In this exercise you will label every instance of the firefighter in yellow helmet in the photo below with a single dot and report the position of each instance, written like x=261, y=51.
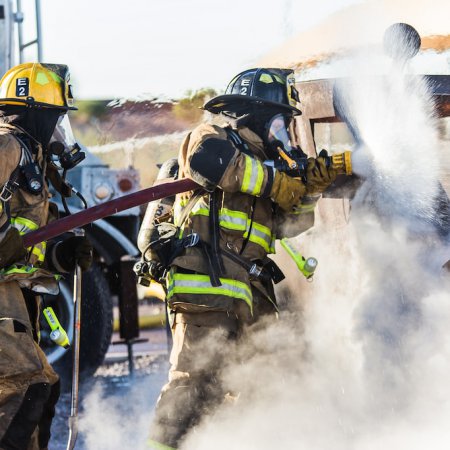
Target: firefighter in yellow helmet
x=220, y=279
x=35, y=140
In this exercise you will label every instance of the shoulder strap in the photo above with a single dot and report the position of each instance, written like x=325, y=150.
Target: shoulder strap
x=190, y=204
x=13, y=183
x=234, y=137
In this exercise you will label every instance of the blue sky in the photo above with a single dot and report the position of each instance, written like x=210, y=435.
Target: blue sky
x=165, y=47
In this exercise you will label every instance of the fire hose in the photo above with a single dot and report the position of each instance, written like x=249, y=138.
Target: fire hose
x=90, y=215
x=293, y=166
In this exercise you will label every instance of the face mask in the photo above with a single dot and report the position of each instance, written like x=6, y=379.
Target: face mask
x=278, y=133
x=63, y=145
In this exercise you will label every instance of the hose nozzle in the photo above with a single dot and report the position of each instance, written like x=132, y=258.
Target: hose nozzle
x=342, y=163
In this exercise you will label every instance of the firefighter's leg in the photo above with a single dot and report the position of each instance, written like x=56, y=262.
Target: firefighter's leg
x=25, y=376
x=193, y=389
x=41, y=435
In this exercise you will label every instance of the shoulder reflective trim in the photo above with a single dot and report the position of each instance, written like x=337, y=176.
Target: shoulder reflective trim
x=253, y=176
x=24, y=225
x=39, y=251
x=182, y=283
x=155, y=445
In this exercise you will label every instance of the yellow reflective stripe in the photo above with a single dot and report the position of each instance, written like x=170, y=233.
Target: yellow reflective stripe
x=239, y=221
x=183, y=283
x=247, y=173
x=15, y=269
x=200, y=212
x=303, y=209
x=39, y=251
x=233, y=220
x=23, y=269
x=262, y=230
x=260, y=241
x=200, y=208
x=261, y=235
x=253, y=176
x=23, y=225
x=177, y=207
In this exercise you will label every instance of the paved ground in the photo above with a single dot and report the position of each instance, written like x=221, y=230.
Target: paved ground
x=115, y=408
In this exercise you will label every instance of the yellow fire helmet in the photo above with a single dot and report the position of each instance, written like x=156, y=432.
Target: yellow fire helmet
x=37, y=85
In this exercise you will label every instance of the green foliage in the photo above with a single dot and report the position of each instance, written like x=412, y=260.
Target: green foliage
x=91, y=108
x=86, y=121
x=188, y=108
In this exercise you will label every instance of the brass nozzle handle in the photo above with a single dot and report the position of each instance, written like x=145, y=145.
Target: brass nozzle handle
x=342, y=163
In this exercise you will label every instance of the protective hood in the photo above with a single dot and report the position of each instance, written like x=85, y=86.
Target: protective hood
x=39, y=123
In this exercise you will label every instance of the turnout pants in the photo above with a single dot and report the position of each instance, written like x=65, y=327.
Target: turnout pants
x=203, y=344
x=29, y=387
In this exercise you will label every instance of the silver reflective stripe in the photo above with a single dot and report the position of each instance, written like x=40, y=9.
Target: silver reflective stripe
x=262, y=236
x=234, y=220
x=253, y=176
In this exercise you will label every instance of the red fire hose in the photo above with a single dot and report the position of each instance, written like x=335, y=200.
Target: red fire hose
x=107, y=209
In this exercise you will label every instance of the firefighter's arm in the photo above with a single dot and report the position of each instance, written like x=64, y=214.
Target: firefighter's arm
x=11, y=245
x=215, y=161
x=65, y=254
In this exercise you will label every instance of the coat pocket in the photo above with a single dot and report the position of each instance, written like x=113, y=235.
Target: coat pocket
x=18, y=353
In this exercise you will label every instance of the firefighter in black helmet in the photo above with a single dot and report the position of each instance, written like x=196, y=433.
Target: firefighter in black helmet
x=222, y=281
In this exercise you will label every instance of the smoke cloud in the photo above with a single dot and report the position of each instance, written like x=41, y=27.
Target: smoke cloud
x=359, y=359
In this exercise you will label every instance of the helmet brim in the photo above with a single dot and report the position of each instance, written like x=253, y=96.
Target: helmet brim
x=241, y=104
x=33, y=104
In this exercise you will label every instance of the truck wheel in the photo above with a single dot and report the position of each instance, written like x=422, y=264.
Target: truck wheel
x=96, y=324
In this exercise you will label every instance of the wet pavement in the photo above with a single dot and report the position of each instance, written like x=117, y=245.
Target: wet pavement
x=113, y=402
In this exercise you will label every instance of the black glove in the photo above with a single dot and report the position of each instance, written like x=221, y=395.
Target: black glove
x=11, y=248
x=75, y=249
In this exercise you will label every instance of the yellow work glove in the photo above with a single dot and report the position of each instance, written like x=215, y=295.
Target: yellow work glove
x=318, y=175
x=287, y=191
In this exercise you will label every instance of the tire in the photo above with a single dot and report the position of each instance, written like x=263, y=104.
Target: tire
x=96, y=324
